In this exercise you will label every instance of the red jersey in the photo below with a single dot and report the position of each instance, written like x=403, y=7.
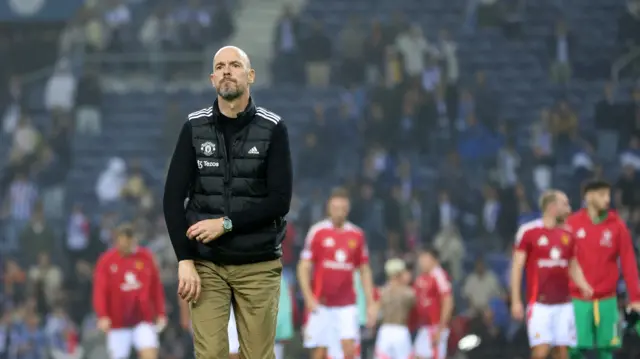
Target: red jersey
x=127, y=288
x=431, y=288
x=598, y=248
x=548, y=251
x=335, y=253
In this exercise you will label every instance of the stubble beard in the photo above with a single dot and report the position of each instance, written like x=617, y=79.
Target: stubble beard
x=230, y=93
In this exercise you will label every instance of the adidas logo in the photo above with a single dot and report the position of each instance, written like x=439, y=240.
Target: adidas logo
x=253, y=151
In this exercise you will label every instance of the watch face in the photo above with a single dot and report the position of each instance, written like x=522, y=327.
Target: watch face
x=226, y=224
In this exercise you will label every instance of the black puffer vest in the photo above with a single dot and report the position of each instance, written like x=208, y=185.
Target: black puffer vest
x=231, y=182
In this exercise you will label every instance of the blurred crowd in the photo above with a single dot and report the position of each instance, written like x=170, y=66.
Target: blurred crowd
x=425, y=150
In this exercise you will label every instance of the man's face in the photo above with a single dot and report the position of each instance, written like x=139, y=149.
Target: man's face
x=232, y=74
x=599, y=199
x=338, y=208
x=426, y=262
x=124, y=243
x=563, y=208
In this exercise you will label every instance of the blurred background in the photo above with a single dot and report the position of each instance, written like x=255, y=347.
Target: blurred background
x=445, y=119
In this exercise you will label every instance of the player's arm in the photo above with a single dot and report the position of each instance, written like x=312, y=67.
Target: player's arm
x=157, y=289
x=517, y=266
x=577, y=276
x=365, y=272
x=304, y=269
x=628, y=263
x=444, y=286
x=100, y=288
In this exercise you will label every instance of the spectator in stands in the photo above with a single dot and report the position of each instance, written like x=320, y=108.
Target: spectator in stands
x=60, y=90
x=476, y=143
x=118, y=20
x=368, y=210
x=448, y=242
x=627, y=195
x=393, y=220
x=351, y=47
x=60, y=138
x=159, y=32
x=560, y=49
x=223, y=22
x=12, y=100
x=609, y=124
x=489, y=12
x=111, y=181
x=194, y=25
x=431, y=75
x=480, y=287
x=513, y=11
x=19, y=206
x=95, y=31
x=136, y=188
x=508, y=165
x=629, y=26
x=46, y=279
x=89, y=103
x=564, y=127
x=465, y=107
x=286, y=37
x=26, y=140
x=62, y=335
x=583, y=161
x=160, y=245
x=486, y=104
x=630, y=157
x=32, y=342
x=375, y=52
x=446, y=214
x=77, y=285
x=38, y=236
x=14, y=283
x=524, y=209
x=447, y=49
x=632, y=112
x=492, y=226
x=50, y=177
x=317, y=51
x=315, y=163
x=542, y=149
x=78, y=235
x=413, y=47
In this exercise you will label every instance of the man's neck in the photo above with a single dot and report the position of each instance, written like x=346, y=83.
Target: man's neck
x=549, y=222
x=338, y=224
x=595, y=215
x=231, y=109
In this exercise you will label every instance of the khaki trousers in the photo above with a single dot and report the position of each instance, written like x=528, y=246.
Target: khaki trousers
x=254, y=291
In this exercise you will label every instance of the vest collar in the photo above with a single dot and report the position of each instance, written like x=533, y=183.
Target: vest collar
x=249, y=111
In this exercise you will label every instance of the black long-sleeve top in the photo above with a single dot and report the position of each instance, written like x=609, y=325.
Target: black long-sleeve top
x=183, y=171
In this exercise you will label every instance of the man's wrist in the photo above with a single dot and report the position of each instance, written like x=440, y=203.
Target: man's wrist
x=185, y=261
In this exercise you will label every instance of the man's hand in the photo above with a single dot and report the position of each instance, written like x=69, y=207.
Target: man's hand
x=635, y=306
x=372, y=316
x=312, y=304
x=104, y=324
x=435, y=337
x=206, y=230
x=517, y=311
x=586, y=290
x=188, y=281
x=161, y=323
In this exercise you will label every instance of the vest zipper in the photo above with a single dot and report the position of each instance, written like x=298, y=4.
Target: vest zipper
x=227, y=173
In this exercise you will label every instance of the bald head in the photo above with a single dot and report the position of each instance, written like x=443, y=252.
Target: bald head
x=556, y=204
x=232, y=73
x=234, y=51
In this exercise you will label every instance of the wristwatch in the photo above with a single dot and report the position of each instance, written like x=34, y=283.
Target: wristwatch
x=227, y=225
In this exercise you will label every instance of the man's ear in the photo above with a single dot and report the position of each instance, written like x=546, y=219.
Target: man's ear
x=251, y=76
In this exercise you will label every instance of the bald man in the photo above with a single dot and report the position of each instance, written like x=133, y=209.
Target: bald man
x=233, y=165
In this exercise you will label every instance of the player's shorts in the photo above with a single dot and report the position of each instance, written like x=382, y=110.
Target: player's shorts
x=393, y=342
x=424, y=347
x=597, y=324
x=120, y=341
x=232, y=330
x=551, y=324
x=329, y=325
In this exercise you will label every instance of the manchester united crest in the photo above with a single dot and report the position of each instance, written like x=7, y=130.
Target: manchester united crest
x=565, y=239
x=139, y=265
x=352, y=243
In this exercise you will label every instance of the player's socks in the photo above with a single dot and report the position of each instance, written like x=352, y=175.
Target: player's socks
x=605, y=354
x=575, y=353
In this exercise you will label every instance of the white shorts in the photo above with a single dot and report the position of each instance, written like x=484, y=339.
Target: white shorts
x=232, y=331
x=424, y=347
x=393, y=342
x=552, y=324
x=120, y=341
x=327, y=326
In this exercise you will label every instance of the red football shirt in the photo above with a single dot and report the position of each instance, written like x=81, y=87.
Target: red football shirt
x=548, y=253
x=430, y=289
x=335, y=253
x=127, y=288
